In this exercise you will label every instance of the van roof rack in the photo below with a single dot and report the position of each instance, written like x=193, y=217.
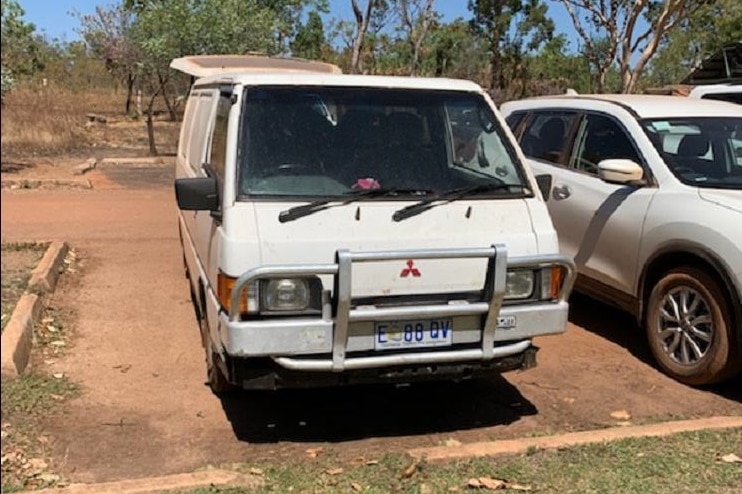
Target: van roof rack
x=210, y=65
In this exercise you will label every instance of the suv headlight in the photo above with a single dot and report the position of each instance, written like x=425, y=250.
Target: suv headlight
x=519, y=284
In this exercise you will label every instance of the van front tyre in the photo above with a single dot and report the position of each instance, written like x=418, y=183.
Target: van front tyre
x=215, y=378
x=689, y=327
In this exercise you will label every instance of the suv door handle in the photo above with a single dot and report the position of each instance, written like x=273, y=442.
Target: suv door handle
x=560, y=192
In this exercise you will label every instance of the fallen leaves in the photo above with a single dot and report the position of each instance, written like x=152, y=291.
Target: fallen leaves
x=313, y=452
x=622, y=415
x=493, y=484
x=451, y=442
x=410, y=470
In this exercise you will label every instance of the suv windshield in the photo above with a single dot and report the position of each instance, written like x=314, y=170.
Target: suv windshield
x=324, y=142
x=702, y=152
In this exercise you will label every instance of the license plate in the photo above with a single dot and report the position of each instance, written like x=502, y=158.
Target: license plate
x=413, y=334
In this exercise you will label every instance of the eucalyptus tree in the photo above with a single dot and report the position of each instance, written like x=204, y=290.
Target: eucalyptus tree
x=310, y=41
x=416, y=17
x=626, y=32
x=288, y=18
x=107, y=34
x=21, y=46
x=510, y=28
x=168, y=29
x=698, y=36
x=454, y=52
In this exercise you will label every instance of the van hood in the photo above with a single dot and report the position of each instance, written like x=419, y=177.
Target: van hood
x=368, y=226
x=731, y=199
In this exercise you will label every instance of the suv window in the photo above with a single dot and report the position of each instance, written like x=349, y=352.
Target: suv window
x=703, y=152
x=546, y=136
x=514, y=120
x=602, y=138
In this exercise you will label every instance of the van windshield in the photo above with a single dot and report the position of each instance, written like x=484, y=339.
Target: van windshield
x=299, y=142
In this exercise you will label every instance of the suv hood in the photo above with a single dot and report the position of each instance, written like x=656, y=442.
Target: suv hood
x=368, y=226
x=731, y=199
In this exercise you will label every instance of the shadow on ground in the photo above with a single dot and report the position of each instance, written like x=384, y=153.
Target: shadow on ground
x=141, y=177
x=621, y=328
x=358, y=412
x=14, y=166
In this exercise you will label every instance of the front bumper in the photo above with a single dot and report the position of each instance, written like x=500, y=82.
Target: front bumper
x=342, y=338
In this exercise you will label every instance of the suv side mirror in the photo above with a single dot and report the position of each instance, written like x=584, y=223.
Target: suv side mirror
x=197, y=194
x=544, y=182
x=620, y=171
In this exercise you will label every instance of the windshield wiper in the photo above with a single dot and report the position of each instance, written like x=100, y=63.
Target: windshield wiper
x=306, y=209
x=450, y=196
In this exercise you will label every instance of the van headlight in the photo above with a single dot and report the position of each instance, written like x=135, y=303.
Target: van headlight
x=519, y=284
x=285, y=294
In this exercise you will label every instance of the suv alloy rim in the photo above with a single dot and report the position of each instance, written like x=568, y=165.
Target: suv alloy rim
x=686, y=325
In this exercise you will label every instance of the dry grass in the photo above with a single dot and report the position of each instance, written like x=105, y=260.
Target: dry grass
x=51, y=121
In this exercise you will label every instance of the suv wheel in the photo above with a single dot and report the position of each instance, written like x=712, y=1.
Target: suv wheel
x=689, y=327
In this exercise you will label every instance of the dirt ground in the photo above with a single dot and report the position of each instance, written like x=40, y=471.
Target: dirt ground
x=143, y=407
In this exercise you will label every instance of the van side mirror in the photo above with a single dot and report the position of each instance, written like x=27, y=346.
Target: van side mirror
x=197, y=194
x=620, y=171
x=544, y=182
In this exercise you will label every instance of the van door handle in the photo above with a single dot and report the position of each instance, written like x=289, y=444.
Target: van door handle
x=560, y=192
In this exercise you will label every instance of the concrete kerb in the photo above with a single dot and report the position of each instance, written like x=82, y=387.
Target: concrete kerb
x=44, y=183
x=206, y=478
x=17, y=337
x=136, y=162
x=523, y=445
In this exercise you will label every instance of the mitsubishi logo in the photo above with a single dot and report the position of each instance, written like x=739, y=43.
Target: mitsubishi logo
x=410, y=270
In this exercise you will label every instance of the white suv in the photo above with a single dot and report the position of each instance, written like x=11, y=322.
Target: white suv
x=731, y=92
x=647, y=199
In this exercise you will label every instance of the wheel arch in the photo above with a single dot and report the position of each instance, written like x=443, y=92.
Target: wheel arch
x=676, y=256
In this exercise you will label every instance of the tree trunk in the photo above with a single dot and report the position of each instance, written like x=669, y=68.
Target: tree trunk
x=496, y=76
x=163, y=80
x=361, y=26
x=151, y=123
x=130, y=78
x=601, y=80
x=151, y=132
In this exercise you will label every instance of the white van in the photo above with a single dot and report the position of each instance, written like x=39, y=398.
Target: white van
x=340, y=229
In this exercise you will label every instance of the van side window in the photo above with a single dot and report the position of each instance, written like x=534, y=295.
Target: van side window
x=200, y=130
x=185, y=130
x=478, y=143
x=547, y=135
x=218, y=150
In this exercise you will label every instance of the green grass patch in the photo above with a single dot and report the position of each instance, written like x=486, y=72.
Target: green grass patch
x=682, y=463
x=26, y=402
